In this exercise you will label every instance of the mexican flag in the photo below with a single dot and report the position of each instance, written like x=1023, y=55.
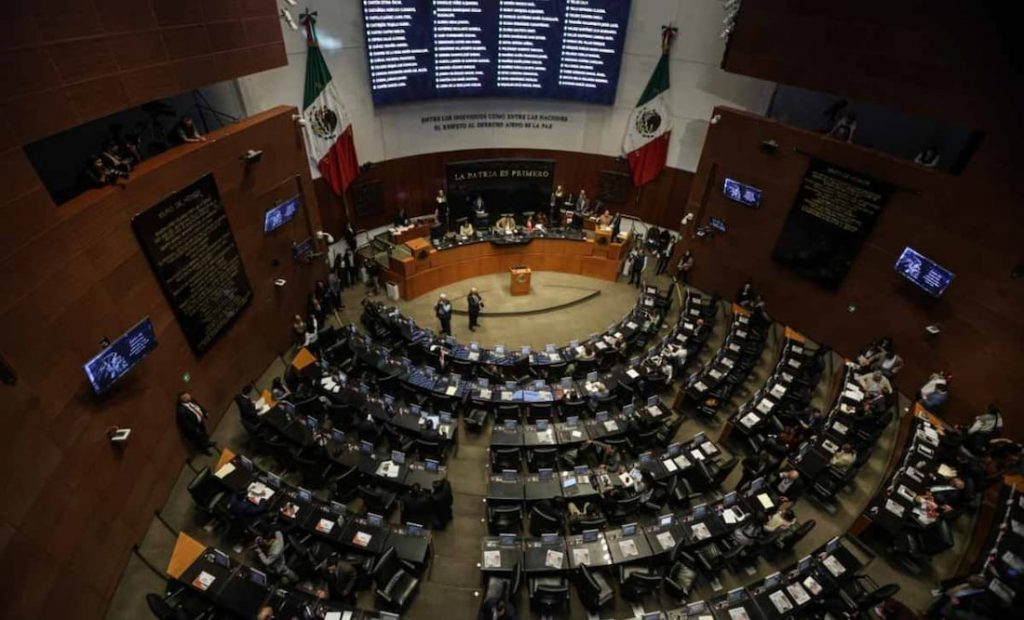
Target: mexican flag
x=650, y=124
x=328, y=128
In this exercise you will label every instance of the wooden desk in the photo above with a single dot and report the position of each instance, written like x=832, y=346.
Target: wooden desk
x=420, y=229
x=444, y=267
x=226, y=456
x=303, y=359
x=186, y=551
x=519, y=281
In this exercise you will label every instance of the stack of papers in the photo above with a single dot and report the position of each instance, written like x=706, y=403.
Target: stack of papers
x=611, y=425
x=632, y=374
x=361, y=539
x=766, y=501
x=492, y=559
x=812, y=586
x=750, y=420
x=781, y=601
x=654, y=410
x=450, y=391
x=738, y=614
x=834, y=566
x=324, y=526
x=485, y=394
x=581, y=556
x=798, y=593
x=554, y=558
x=700, y=531
x=203, y=581
x=666, y=541
x=628, y=548
x=682, y=461
x=765, y=406
x=708, y=448
x=729, y=516
x=778, y=390
x=670, y=465
x=506, y=395
x=225, y=470
x=697, y=454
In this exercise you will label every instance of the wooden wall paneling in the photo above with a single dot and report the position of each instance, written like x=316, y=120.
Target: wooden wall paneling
x=982, y=333
x=73, y=505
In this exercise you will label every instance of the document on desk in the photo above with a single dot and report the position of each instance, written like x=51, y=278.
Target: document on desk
x=778, y=390
x=716, y=374
x=905, y=493
x=611, y=425
x=203, y=581
x=225, y=470
x=709, y=448
x=324, y=526
x=729, y=516
x=701, y=386
x=632, y=374
x=492, y=559
x=798, y=593
x=781, y=601
x=697, y=454
x=576, y=434
x=581, y=556
x=670, y=465
x=450, y=391
x=766, y=501
x=473, y=356
x=547, y=436
x=739, y=614
x=812, y=586
x=894, y=507
x=700, y=531
x=682, y=461
x=750, y=420
x=834, y=566
x=765, y=406
x=507, y=396
x=554, y=559
x=362, y=539
x=654, y=410
x=946, y=471
x=839, y=427
x=666, y=540
x=485, y=394
x=628, y=548
x=258, y=492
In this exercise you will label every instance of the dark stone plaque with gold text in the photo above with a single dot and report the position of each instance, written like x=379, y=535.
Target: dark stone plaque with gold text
x=190, y=247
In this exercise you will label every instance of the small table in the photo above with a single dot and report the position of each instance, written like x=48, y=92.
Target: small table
x=520, y=280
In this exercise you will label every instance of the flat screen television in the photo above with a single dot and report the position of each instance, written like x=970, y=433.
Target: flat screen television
x=280, y=214
x=923, y=271
x=121, y=356
x=744, y=194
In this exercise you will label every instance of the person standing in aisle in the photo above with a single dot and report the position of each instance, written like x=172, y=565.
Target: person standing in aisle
x=443, y=311
x=476, y=304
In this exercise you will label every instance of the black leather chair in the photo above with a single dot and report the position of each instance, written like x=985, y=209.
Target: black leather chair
x=378, y=500
x=543, y=523
x=204, y=488
x=788, y=539
x=476, y=419
x=343, y=486
x=500, y=588
x=506, y=412
x=638, y=581
x=549, y=594
x=541, y=458
x=593, y=588
x=539, y=411
x=506, y=458
x=395, y=588
x=429, y=449
x=624, y=509
x=681, y=576
x=587, y=523
x=504, y=519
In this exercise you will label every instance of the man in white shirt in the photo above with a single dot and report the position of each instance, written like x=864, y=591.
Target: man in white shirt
x=874, y=383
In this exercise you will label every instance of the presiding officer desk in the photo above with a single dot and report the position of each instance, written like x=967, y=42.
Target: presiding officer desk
x=557, y=250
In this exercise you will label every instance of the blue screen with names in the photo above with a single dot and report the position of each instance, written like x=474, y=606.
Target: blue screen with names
x=743, y=194
x=923, y=272
x=121, y=356
x=433, y=49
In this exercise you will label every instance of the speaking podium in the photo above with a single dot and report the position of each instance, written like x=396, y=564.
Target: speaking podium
x=519, y=283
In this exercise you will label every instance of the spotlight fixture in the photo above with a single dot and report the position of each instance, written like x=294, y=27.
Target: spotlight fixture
x=287, y=16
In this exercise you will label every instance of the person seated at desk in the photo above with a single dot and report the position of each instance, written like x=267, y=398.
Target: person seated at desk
x=185, y=131
x=465, y=228
x=431, y=432
x=416, y=506
x=811, y=419
x=874, y=383
x=889, y=364
x=441, y=500
x=587, y=355
x=844, y=458
x=745, y=296
x=341, y=578
x=245, y=512
x=984, y=428
x=270, y=551
x=955, y=493
x=542, y=221
x=935, y=392
x=963, y=600
x=874, y=352
x=278, y=390
x=506, y=225
x=787, y=483
x=677, y=354
x=604, y=221
x=754, y=466
x=591, y=510
x=754, y=532
x=529, y=226
x=367, y=428
x=401, y=219
x=246, y=405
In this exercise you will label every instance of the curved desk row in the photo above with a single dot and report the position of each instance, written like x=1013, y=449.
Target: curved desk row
x=429, y=268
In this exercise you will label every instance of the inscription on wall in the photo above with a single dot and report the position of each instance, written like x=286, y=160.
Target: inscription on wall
x=188, y=241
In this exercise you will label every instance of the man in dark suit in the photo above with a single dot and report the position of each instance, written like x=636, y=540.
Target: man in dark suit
x=246, y=406
x=476, y=303
x=192, y=422
x=441, y=500
x=416, y=506
x=443, y=311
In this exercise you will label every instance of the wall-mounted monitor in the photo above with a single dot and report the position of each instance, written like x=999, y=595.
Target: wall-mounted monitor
x=923, y=271
x=121, y=356
x=559, y=49
x=744, y=194
x=280, y=214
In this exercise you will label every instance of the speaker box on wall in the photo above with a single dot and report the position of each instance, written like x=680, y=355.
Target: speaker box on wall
x=613, y=186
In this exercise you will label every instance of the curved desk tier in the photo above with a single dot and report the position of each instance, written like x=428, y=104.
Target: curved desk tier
x=429, y=268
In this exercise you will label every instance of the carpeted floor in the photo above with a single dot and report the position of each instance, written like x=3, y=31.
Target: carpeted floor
x=451, y=587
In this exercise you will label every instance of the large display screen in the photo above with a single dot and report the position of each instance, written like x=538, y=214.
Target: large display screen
x=923, y=272
x=744, y=194
x=121, y=356
x=279, y=215
x=430, y=49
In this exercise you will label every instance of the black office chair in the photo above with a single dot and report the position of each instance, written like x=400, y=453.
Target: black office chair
x=203, y=488
x=858, y=597
x=506, y=458
x=165, y=608
x=682, y=575
x=539, y=411
x=638, y=581
x=504, y=413
x=624, y=509
x=429, y=449
x=343, y=486
x=377, y=500
x=543, y=523
x=549, y=594
x=935, y=538
x=789, y=538
x=541, y=458
x=587, y=523
x=476, y=419
x=504, y=519
x=394, y=587
x=593, y=588
x=314, y=470
x=501, y=588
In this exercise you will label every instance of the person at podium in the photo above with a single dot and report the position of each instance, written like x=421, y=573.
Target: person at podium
x=401, y=219
x=506, y=225
x=466, y=228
